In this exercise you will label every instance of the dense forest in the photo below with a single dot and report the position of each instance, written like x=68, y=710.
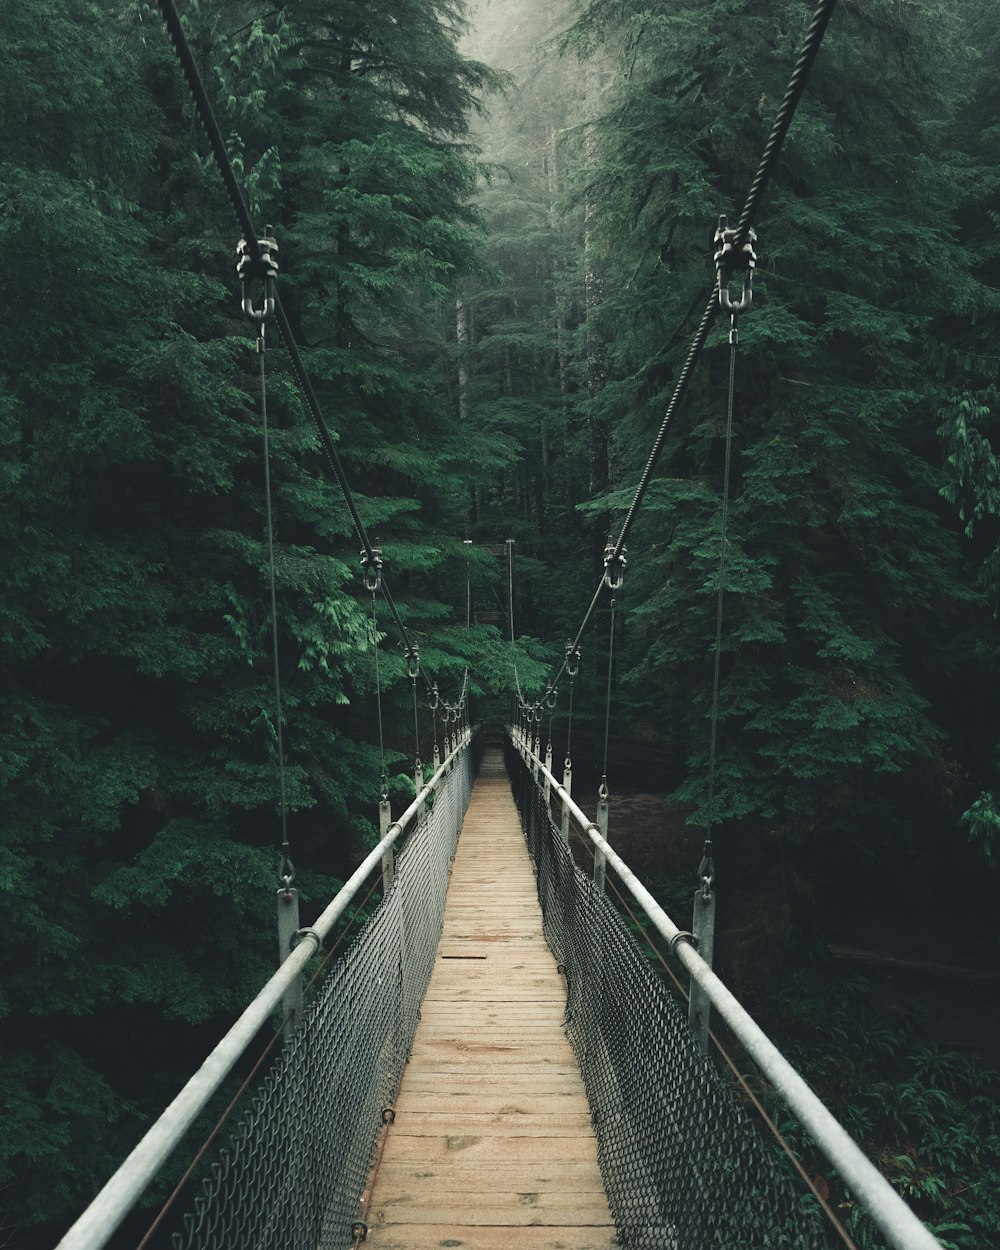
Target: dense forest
x=495, y=228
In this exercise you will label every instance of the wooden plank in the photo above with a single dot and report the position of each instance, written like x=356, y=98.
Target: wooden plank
x=492, y=1145
x=420, y=1206
x=470, y=1237
x=551, y=1174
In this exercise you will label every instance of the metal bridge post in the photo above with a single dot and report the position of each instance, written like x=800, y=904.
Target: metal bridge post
x=567, y=781
x=418, y=781
x=388, y=859
x=600, y=859
x=288, y=926
x=548, y=765
x=703, y=928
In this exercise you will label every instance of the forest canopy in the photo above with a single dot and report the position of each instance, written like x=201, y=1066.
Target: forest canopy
x=495, y=227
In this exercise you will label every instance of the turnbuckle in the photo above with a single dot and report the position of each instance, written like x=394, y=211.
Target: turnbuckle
x=728, y=260
x=614, y=566
x=372, y=565
x=262, y=268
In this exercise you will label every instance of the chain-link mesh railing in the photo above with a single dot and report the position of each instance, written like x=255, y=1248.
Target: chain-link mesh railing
x=294, y=1172
x=683, y=1165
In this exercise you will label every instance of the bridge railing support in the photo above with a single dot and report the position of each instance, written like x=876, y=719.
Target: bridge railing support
x=288, y=926
x=869, y=1188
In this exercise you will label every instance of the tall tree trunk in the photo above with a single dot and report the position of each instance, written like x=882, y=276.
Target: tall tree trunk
x=593, y=285
x=462, y=339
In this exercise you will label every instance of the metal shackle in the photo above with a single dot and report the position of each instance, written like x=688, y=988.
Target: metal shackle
x=728, y=259
x=262, y=268
x=614, y=567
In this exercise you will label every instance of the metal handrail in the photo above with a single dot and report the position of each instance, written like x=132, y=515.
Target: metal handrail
x=95, y=1226
x=900, y=1226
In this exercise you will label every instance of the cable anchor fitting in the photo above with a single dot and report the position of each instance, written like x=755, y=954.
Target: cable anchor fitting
x=706, y=874
x=258, y=269
x=551, y=695
x=371, y=562
x=614, y=567
x=413, y=662
x=286, y=873
x=728, y=260
x=434, y=697
x=572, y=660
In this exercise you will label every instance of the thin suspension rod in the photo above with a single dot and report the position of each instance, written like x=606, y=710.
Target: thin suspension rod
x=287, y=872
x=720, y=599
x=769, y=158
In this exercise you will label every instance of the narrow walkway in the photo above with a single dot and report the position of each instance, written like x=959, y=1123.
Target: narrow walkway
x=492, y=1146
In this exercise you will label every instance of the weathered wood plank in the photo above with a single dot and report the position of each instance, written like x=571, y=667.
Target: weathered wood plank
x=492, y=1146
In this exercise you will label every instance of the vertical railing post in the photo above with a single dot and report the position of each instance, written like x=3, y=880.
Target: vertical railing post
x=418, y=781
x=567, y=780
x=703, y=928
x=388, y=864
x=288, y=926
x=548, y=765
x=600, y=859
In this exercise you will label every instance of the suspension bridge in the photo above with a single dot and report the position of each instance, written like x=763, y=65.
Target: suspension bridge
x=494, y=1061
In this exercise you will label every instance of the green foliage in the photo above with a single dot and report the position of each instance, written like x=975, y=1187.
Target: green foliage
x=929, y=1117
x=137, y=757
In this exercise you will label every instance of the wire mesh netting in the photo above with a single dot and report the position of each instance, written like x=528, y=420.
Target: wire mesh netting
x=683, y=1165
x=294, y=1171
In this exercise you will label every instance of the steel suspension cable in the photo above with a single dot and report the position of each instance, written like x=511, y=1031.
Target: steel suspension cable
x=772, y=149
x=206, y=115
x=287, y=870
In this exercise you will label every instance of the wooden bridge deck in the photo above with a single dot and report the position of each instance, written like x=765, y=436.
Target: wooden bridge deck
x=492, y=1146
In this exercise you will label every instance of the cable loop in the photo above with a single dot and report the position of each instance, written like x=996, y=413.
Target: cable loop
x=614, y=566
x=262, y=268
x=729, y=259
x=371, y=562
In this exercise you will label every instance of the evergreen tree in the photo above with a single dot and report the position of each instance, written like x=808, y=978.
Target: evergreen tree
x=852, y=618
x=138, y=755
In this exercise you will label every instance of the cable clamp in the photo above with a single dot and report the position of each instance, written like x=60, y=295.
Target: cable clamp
x=572, y=660
x=434, y=697
x=286, y=873
x=728, y=260
x=683, y=936
x=371, y=562
x=300, y=935
x=258, y=269
x=614, y=567
x=706, y=874
x=413, y=662
x=551, y=695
